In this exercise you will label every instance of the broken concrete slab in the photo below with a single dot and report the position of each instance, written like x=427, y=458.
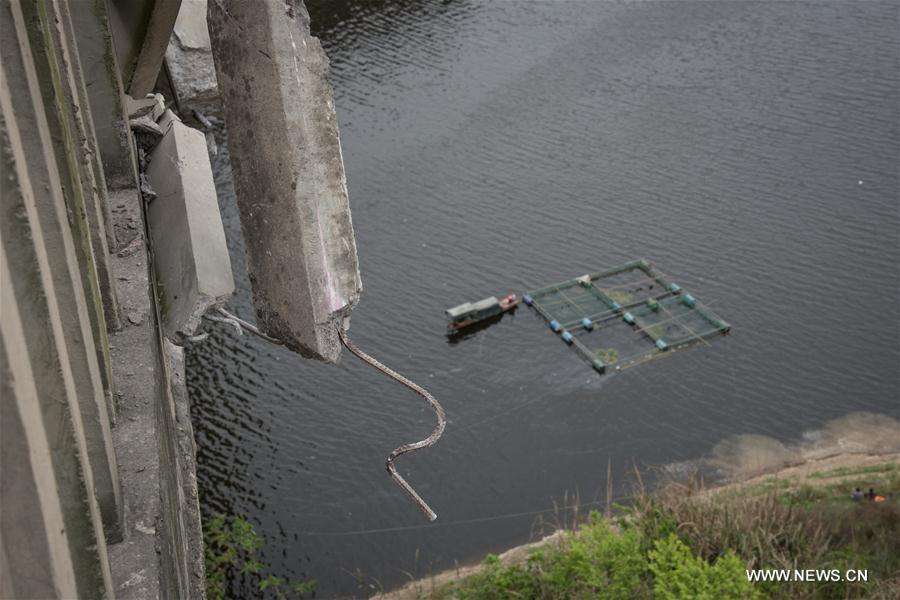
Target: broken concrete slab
x=190, y=62
x=144, y=124
x=191, y=257
x=288, y=171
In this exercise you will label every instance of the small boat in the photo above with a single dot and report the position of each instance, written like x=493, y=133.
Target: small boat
x=471, y=313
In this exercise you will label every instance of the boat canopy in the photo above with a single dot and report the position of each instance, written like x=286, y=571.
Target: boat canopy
x=472, y=307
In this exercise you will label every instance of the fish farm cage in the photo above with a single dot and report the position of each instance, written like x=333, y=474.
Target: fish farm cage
x=624, y=316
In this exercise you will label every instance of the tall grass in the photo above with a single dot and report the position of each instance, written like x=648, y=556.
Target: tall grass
x=800, y=528
x=685, y=541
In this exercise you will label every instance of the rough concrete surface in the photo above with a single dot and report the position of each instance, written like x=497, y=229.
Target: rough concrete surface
x=191, y=256
x=134, y=562
x=186, y=491
x=190, y=62
x=34, y=519
x=288, y=172
x=162, y=554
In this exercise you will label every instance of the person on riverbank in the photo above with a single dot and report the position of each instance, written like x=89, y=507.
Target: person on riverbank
x=856, y=495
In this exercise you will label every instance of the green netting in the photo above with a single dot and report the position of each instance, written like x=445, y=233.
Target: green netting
x=569, y=304
x=624, y=316
x=613, y=343
x=676, y=322
x=631, y=286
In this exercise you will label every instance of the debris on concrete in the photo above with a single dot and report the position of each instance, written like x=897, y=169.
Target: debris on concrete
x=131, y=247
x=135, y=565
x=147, y=191
x=144, y=124
x=153, y=106
x=143, y=117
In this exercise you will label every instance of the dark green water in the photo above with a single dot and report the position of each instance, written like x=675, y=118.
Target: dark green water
x=749, y=149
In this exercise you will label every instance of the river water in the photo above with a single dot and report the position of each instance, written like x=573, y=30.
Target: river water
x=748, y=149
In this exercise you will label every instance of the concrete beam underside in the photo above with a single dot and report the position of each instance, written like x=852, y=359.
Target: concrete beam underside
x=78, y=184
x=103, y=79
x=99, y=217
x=45, y=209
x=34, y=539
x=35, y=349
x=60, y=479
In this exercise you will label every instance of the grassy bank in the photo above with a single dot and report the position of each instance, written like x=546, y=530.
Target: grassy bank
x=684, y=541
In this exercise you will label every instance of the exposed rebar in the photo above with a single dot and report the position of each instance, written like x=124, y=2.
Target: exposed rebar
x=427, y=442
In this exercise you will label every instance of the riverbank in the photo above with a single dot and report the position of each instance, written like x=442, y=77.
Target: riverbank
x=800, y=516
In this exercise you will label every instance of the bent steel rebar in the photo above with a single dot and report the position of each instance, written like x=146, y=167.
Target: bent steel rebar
x=240, y=324
x=427, y=442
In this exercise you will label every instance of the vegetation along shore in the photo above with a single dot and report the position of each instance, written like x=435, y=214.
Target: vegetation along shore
x=685, y=540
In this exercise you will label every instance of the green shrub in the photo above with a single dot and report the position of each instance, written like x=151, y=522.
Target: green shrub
x=231, y=546
x=497, y=581
x=679, y=574
x=684, y=542
x=596, y=561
